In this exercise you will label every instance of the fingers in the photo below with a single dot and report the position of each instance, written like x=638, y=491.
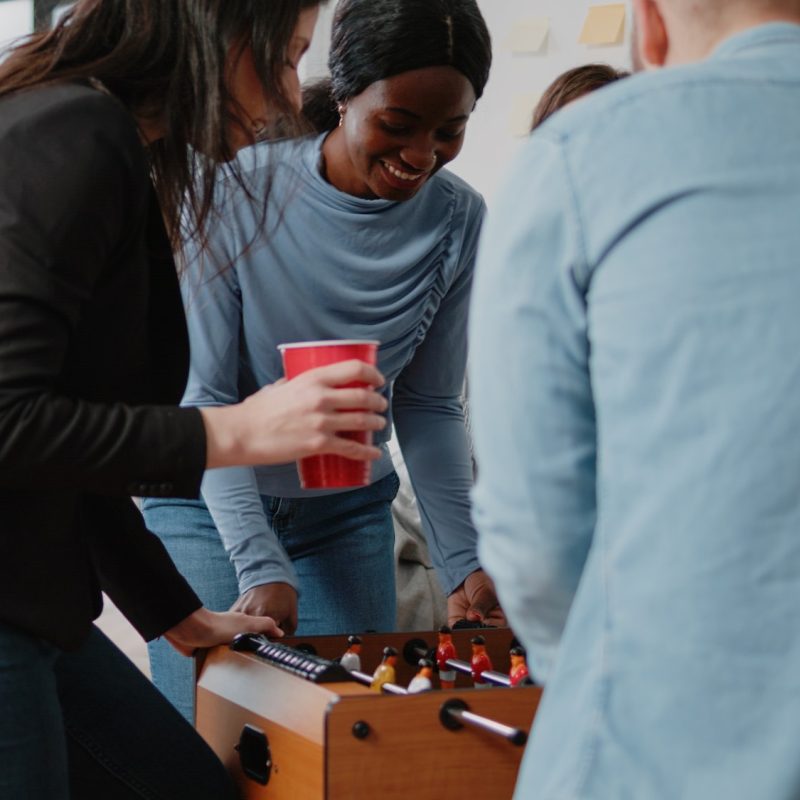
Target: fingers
x=265, y=625
x=345, y=372
x=289, y=625
x=352, y=421
x=483, y=602
x=456, y=606
x=349, y=398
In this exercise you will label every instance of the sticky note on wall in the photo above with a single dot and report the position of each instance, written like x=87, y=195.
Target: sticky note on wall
x=604, y=25
x=528, y=35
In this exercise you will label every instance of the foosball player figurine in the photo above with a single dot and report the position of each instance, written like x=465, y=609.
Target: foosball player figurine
x=519, y=666
x=422, y=682
x=351, y=658
x=385, y=673
x=445, y=650
x=480, y=662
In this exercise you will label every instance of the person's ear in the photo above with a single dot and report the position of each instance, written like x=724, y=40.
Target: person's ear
x=652, y=39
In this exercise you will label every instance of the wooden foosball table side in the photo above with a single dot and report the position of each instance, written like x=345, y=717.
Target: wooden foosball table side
x=408, y=752
x=342, y=741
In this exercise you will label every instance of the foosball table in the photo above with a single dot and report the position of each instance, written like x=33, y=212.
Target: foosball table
x=291, y=723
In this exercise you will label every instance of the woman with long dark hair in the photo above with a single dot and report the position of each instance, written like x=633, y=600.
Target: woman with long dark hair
x=376, y=240
x=93, y=357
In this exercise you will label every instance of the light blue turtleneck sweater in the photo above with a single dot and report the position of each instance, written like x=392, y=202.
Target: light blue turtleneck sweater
x=333, y=266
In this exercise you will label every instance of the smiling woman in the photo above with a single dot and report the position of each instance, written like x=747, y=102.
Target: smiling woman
x=394, y=137
x=376, y=241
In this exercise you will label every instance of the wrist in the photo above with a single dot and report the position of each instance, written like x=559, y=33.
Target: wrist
x=223, y=442
x=192, y=627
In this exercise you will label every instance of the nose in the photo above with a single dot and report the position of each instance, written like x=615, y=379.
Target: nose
x=291, y=86
x=420, y=157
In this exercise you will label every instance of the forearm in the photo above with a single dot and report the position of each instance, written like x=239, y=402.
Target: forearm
x=532, y=405
x=436, y=452
x=235, y=505
x=133, y=567
x=64, y=443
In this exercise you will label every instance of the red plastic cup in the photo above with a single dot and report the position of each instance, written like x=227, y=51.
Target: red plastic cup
x=331, y=471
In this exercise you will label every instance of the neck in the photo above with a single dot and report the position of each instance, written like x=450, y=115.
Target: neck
x=149, y=131
x=692, y=40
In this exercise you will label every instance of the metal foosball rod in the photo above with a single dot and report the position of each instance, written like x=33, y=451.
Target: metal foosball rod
x=489, y=675
x=455, y=713
x=389, y=688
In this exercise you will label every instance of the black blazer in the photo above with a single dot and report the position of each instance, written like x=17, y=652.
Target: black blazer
x=93, y=357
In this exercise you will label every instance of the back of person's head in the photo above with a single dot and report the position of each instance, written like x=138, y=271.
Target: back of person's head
x=319, y=107
x=671, y=32
x=166, y=61
x=376, y=39
x=571, y=85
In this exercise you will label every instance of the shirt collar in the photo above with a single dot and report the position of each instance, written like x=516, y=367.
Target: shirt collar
x=759, y=36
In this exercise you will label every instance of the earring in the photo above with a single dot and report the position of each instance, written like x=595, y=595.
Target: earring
x=259, y=127
x=341, y=110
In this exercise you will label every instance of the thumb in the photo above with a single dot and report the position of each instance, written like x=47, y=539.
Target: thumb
x=265, y=625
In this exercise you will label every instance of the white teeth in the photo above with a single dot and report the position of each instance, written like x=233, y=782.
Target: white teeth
x=400, y=174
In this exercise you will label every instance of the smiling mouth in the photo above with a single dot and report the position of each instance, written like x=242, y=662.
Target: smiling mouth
x=401, y=174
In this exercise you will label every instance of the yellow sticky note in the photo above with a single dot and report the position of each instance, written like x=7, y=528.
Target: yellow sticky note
x=528, y=35
x=604, y=24
x=522, y=114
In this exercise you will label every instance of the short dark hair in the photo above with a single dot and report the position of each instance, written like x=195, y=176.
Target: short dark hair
x=377, y=39
x=571, y=85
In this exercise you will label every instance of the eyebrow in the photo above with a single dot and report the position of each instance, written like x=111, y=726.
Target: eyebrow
x=408, y=113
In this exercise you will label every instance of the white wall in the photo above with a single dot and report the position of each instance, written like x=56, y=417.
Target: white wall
x=516, y=80
x=16, y=19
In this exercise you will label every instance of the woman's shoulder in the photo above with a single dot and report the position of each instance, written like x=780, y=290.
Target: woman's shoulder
x=74, y=103
x=276, y=156
x=447, y=187
x=71, y=113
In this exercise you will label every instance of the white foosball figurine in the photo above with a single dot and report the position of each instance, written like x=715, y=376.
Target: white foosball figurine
x=351, y=659
x=422, y=681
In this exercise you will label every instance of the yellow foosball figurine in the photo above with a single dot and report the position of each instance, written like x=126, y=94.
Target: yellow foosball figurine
x=385, y=673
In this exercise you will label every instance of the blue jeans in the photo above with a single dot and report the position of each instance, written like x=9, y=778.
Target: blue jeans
x=341, y=547
x=88, y=724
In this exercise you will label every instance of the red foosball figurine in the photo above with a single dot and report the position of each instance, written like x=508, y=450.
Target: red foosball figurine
x=385, y=673
x=422, y=682
x=519, y=666
x=480, y=662
x=351, y=658
x=445, y=650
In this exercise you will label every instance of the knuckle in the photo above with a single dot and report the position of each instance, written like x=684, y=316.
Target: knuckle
x=317, y=441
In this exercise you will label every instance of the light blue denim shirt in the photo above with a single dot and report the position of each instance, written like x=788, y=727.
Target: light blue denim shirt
x=333, y=266
x=635, y=373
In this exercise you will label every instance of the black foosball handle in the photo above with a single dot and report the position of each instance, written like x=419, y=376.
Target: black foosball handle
x=455, y=713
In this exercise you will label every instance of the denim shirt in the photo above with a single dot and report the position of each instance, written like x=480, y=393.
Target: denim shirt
x=635, y=368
